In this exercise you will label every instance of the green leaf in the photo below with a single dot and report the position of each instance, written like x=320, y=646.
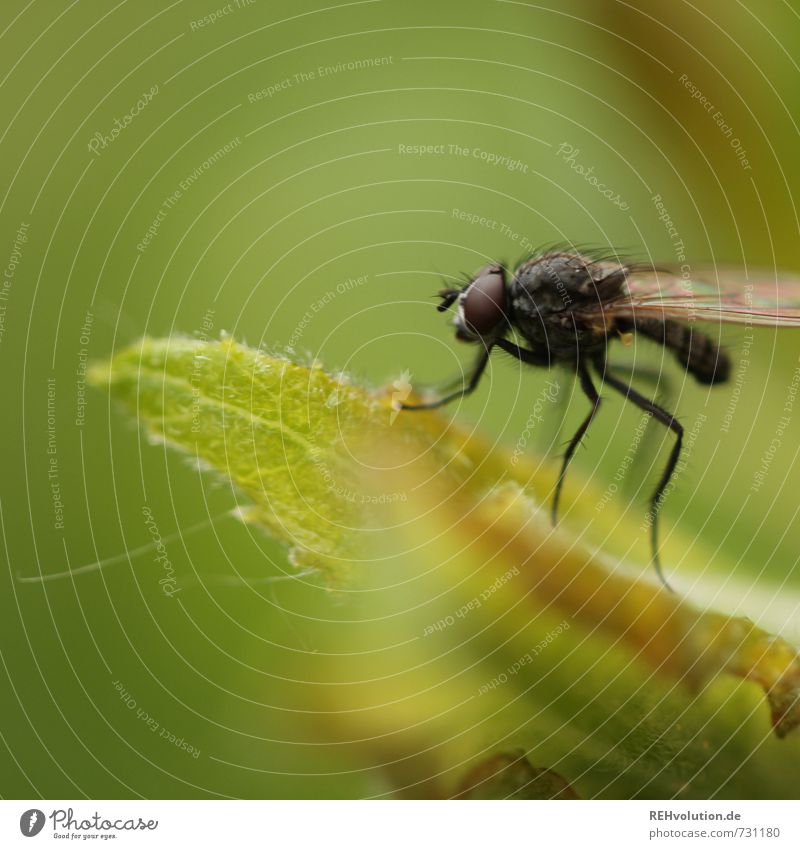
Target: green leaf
x=270, y=426
x=499, y=632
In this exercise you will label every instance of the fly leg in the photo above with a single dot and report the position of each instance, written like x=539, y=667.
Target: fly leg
x=668, y=420
x=591, y=394
x=534, y=358
x=551, y=434
x=472, y=381
x=648, y=446
x=651, y=375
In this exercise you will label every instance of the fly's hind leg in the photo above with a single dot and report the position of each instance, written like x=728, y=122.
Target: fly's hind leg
x=652, y=375
x=648, y=444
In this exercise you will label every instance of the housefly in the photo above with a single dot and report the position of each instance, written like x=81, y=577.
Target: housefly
x=567, y=307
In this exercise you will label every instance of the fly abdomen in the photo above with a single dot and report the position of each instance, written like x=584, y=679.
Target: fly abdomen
x=701, y=357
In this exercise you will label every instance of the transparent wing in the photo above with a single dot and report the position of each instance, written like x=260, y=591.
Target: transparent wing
x=712, y=293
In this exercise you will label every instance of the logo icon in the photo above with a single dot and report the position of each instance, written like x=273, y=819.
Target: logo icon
x=31, y=822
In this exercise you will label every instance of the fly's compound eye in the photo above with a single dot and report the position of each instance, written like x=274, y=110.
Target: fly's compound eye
x=484, y=303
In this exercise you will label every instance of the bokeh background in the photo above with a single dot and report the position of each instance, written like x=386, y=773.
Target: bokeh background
x=305, y=175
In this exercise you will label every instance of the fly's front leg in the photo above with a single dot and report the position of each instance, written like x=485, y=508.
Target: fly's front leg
x=469, y=386
x=532, y=358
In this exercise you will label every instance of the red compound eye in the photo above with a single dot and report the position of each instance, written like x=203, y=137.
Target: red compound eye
x=485, y=301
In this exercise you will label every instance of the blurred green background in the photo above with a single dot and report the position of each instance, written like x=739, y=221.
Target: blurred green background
x=278, y=158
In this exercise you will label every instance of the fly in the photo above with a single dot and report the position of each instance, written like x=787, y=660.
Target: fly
x=567, y=307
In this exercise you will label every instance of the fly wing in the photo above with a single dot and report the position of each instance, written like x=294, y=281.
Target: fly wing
x=711, y=293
